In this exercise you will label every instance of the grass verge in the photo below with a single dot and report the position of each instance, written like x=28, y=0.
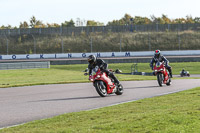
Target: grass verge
x=173, y=113
x=73, y=74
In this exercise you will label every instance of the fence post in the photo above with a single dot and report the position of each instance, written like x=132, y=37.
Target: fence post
x=149, y=42
x=168, y=27
x=6, y=43
x=62, y=44
x=157, y=27
x=179, y=41
x=178, y=37
x=120, y=44
x=34, y=43
x=91, y=44
x=62, y=48
x=40, y=31
x=19, y=31
x=61, y=30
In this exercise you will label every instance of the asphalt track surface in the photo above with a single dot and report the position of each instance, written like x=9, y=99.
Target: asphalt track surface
x=23, y=104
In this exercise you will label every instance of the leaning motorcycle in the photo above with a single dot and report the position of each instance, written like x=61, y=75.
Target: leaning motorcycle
x=162, y=74
x=104, y=85
x=185, y=73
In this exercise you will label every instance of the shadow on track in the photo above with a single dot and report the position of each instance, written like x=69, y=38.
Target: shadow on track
x=73, y=98
x=141, y=87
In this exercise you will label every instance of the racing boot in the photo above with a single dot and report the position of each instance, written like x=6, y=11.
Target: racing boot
x=114, y=78
x=170, y=71
x=170, y=74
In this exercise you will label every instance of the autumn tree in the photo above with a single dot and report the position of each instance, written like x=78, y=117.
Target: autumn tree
x=123, y=21
x=165, y=19
x=189, y=19
x=23, y=25
x=179, y=21
x=6, y=27
x=34, y=23
x=197, y=19
x=141, y=20
x=53, y=25
x=68, y=23
x=116, y=22
x=127, y=19
x=94, y=23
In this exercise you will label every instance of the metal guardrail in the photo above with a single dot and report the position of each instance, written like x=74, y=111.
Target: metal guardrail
x=24, y=65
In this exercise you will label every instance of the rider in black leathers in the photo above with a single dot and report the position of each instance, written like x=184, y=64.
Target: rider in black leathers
x=161, y=58
x=93, y=62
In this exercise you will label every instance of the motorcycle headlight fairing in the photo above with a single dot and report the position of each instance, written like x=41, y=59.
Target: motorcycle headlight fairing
x=98, y=76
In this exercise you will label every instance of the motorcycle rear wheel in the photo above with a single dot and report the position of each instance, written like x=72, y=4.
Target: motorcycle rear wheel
x=120, y=90
x=169, y=82
x=101, y=88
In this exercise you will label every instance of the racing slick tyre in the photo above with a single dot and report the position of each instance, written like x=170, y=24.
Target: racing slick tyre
x=160, y=79
x=169, y=82
x=101, y=88
x=120, y=90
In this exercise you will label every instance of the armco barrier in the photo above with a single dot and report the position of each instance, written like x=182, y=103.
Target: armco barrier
x=24, y=65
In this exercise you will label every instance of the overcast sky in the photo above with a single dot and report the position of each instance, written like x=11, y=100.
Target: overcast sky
x=57, y=11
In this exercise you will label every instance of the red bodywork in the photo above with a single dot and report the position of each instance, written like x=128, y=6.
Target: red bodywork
x=103, y=77
x=162, y=69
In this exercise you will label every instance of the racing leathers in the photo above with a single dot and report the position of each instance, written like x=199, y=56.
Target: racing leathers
x=103, y=67
x=161, y=58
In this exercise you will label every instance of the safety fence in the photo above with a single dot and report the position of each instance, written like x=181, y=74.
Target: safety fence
x=100, y=39
x=103, y=29
x=24, y=65
x=118, y=42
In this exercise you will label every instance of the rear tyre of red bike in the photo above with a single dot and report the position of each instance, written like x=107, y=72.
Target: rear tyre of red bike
x=101, y=88
x=120, y=90
x=169, y=82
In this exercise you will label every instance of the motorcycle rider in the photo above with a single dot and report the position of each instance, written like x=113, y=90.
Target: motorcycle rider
x=93, y=62
x=161, y=58
x=183, y=71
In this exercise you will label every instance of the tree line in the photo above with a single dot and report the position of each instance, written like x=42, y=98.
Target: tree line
x=125, y=20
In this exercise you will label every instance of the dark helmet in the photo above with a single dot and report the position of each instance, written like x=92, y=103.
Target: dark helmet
x=92, y=59
x=157, y=53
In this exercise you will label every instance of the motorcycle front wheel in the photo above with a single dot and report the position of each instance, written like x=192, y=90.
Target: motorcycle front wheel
x=160, y=79
x=101, y=88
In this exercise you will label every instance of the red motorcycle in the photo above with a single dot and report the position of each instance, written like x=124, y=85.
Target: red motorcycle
x=162, y=74
x=103, y=84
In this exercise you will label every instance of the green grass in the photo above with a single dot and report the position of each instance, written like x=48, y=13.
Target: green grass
x=73, y=73
x=173, y=113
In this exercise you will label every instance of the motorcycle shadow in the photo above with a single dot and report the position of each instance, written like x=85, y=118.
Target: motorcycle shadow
x=141, y=87
x=68, y=99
